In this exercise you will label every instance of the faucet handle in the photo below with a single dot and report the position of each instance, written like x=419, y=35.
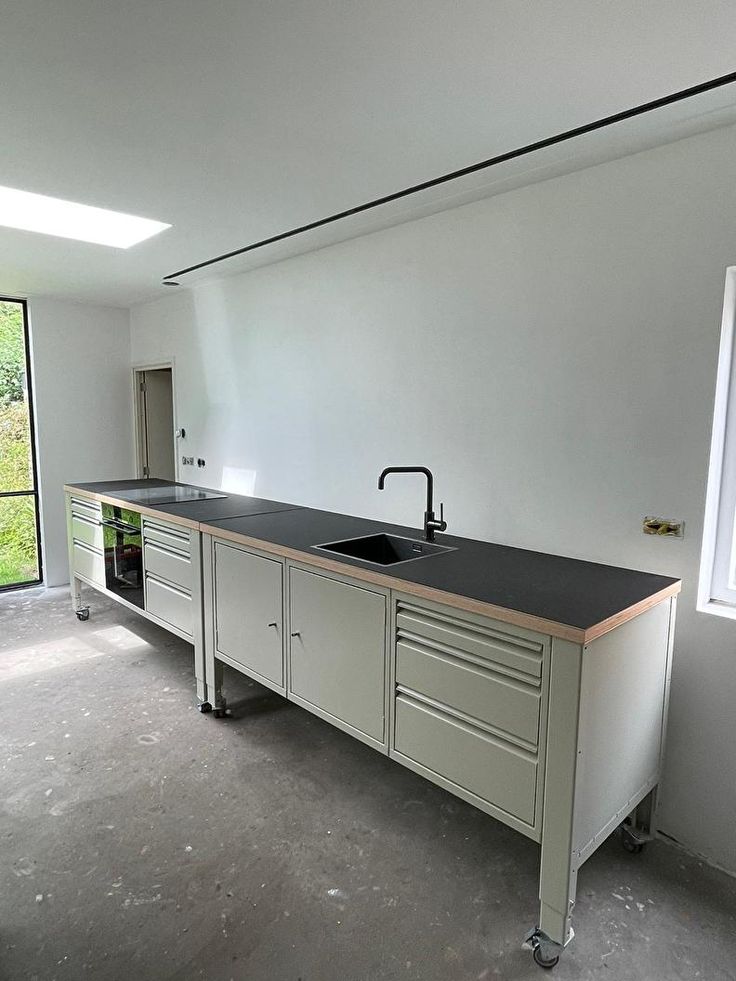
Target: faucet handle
x=442, y=522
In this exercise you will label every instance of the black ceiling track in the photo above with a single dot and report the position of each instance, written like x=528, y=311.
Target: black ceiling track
x=570, y=134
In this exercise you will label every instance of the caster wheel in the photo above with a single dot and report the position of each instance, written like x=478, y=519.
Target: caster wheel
x=219, y=713
x=546, y=962
x=83, y=614
x=631, y=844
x=204, y=707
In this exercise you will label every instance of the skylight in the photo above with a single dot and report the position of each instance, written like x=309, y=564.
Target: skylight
x=52, y=216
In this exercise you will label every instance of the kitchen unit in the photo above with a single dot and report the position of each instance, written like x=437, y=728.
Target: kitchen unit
x=148, y=564
x=533, y=686
x=138, y=542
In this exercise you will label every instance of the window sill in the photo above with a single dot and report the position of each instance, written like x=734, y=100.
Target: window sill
x=718, y=608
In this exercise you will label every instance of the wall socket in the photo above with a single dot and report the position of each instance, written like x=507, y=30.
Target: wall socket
x=200, y=461
x=187, y=461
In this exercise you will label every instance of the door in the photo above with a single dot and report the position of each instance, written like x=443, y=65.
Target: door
x=156, y=448
x=337, y=650
x=20, y=557
x=248, y=612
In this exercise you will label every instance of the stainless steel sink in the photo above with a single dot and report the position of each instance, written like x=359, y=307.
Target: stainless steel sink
x=385, y=549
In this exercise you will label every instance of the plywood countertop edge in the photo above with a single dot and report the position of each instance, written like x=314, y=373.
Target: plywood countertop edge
x=605, y=626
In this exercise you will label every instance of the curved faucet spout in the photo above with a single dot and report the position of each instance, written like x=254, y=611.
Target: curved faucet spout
x=427, y=473
x=430, y=524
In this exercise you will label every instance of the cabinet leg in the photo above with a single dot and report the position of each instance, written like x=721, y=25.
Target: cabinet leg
x=209, y=692
x=75, y=586
x=559, y=866
x=640, y=826
x=644, y=818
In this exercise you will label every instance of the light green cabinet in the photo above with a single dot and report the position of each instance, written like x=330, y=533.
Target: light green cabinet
x=337, y=652
x=249, y=613
x=170, y=594
x=86, y=549
x=170, y=604
x=466, y=755
x=469, y=704
x=560, y=739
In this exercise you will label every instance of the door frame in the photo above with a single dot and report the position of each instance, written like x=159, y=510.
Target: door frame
x=35, y=492
x=139, y=435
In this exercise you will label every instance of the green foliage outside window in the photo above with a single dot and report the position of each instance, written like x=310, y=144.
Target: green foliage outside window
x=18, y=549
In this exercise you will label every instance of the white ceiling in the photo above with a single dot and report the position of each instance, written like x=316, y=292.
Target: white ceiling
x=234, y=120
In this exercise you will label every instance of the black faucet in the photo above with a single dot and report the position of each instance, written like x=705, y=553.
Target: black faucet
x=431, y=524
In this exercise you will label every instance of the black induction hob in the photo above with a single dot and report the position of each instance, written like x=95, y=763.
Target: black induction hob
x=169, y=495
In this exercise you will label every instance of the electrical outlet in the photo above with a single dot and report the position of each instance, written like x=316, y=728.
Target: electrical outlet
x=663, y=527
x=187, y=461
x=200, y=461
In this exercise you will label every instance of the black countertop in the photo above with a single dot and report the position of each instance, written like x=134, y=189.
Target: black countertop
x=566, y=591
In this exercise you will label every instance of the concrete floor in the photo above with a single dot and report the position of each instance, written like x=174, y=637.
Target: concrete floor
x=143, y=840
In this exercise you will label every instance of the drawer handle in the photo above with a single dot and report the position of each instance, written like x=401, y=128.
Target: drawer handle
x=87, y=548
x=78, y=502
x=274, y=624
x=509, y=742
x=166, y=550
x=170, y=586
x=296, y=634
x=85, y=520
x=164, y=530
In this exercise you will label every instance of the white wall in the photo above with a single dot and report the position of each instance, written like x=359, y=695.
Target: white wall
x=83, y=400
x=550, y=353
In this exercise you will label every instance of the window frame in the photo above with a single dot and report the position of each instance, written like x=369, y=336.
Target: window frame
x=717, y=583
x=34, y=492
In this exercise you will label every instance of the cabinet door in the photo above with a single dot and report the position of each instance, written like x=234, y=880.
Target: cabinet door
x=337, y=650
x=249, y=612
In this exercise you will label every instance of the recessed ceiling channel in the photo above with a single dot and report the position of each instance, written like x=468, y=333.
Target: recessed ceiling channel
x=676, y=116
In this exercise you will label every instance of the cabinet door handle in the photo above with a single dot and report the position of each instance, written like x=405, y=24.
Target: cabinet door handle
x=274, y=624
x=296, y=634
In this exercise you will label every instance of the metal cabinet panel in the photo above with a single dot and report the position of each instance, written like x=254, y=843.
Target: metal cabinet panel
x=175, y=537
x=87, y=530
x=170, y=604
x=337, y=650
x=85, y=506
x=174, y=567
x=249, y=611
x=517, y=654
x=499, y=773
x=88, y=563
x=497, y=700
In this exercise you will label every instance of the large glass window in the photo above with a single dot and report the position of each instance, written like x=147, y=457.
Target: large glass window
x=20, y=557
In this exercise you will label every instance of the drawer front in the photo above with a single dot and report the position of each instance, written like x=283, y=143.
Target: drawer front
x=87, y=530
x=85, y=506
x=174, y=537
x=89, y=563
x=169, y=604
x=516, y=655
x=504, y=704
x=468, y=757
x=174, y=567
